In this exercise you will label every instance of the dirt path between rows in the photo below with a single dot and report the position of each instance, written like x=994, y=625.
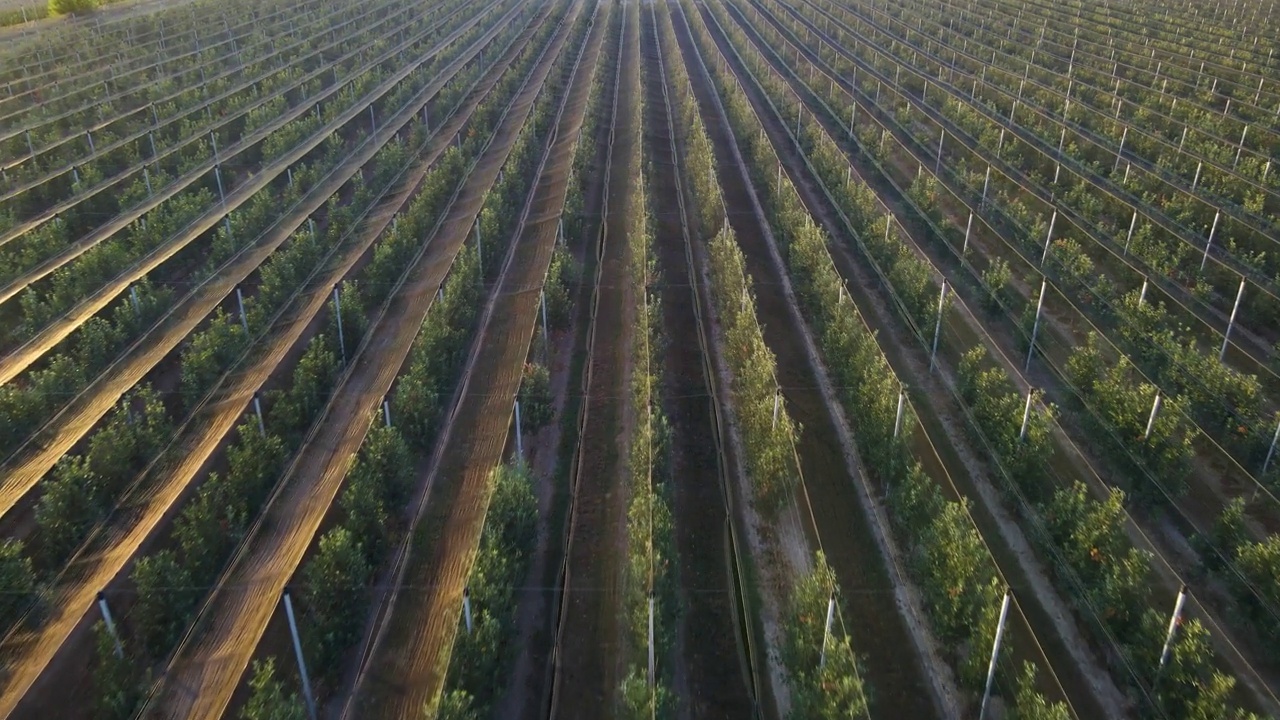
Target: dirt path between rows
x=590, y=653
x=43, y=653
x=841, y=501
x=41, y=453
x=410, y=658
x=711, y=680
x=206, y=669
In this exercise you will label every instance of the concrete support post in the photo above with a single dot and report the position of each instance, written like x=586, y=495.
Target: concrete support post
x=110, y=623
x=1035, y=327
x=937, y=328
x=995, y=654
x=1174, y=621
x=297, y=651
x=1235, y=309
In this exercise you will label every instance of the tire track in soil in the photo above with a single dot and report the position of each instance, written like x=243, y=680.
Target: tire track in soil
x=409, y=670
x=712, y=684
x=882, y=635
x=100, y=563
x=205, y=671
x=589, y=650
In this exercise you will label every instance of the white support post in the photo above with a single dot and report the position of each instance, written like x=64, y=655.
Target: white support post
x=1132, y=223
x=546, y=336
x=244, y=319
x=995, y=654
x=297, y=651
x=386, y=412
x=1239, y=148
x=110, y=623
x=652, y=658
x=1057, y=170
x=1035, y=327
x=1226, y=336
x=902, y=406
x=89, y=136
x=337, y=313
x=217, y=174
x=1048, y=238
x=257, y=411
x=479, y=249
x=373, y=121
x=519, y=435
x=1196, y=180
x=1026, y=415
x=777, y=401
x=137, y=306
x=1120, y=153
x=986, y=182
x=1142, y=296
x=826, y=633
x=146, y=178
x=1266, y=464
x=1151, y=421
x=1174, y=622
x=937, y=328
x=1209, y=243
x=937, y=165
x=968, y=228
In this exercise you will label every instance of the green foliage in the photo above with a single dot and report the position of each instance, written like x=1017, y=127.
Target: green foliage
x=268, y=698
x=832, y=689
x=454, y=705
x=1122, y=408
x=535, y=397
x=166, y=596
x=117, y=684
x=71, y=7
x=1029, y=704
x=293, y=410
x=770, y=459
x=476, y=666
x=17, y=581
x=335, y=598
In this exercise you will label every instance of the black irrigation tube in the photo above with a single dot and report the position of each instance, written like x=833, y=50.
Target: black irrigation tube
x=11, y=364
x=80, y=131
x=59, y=208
